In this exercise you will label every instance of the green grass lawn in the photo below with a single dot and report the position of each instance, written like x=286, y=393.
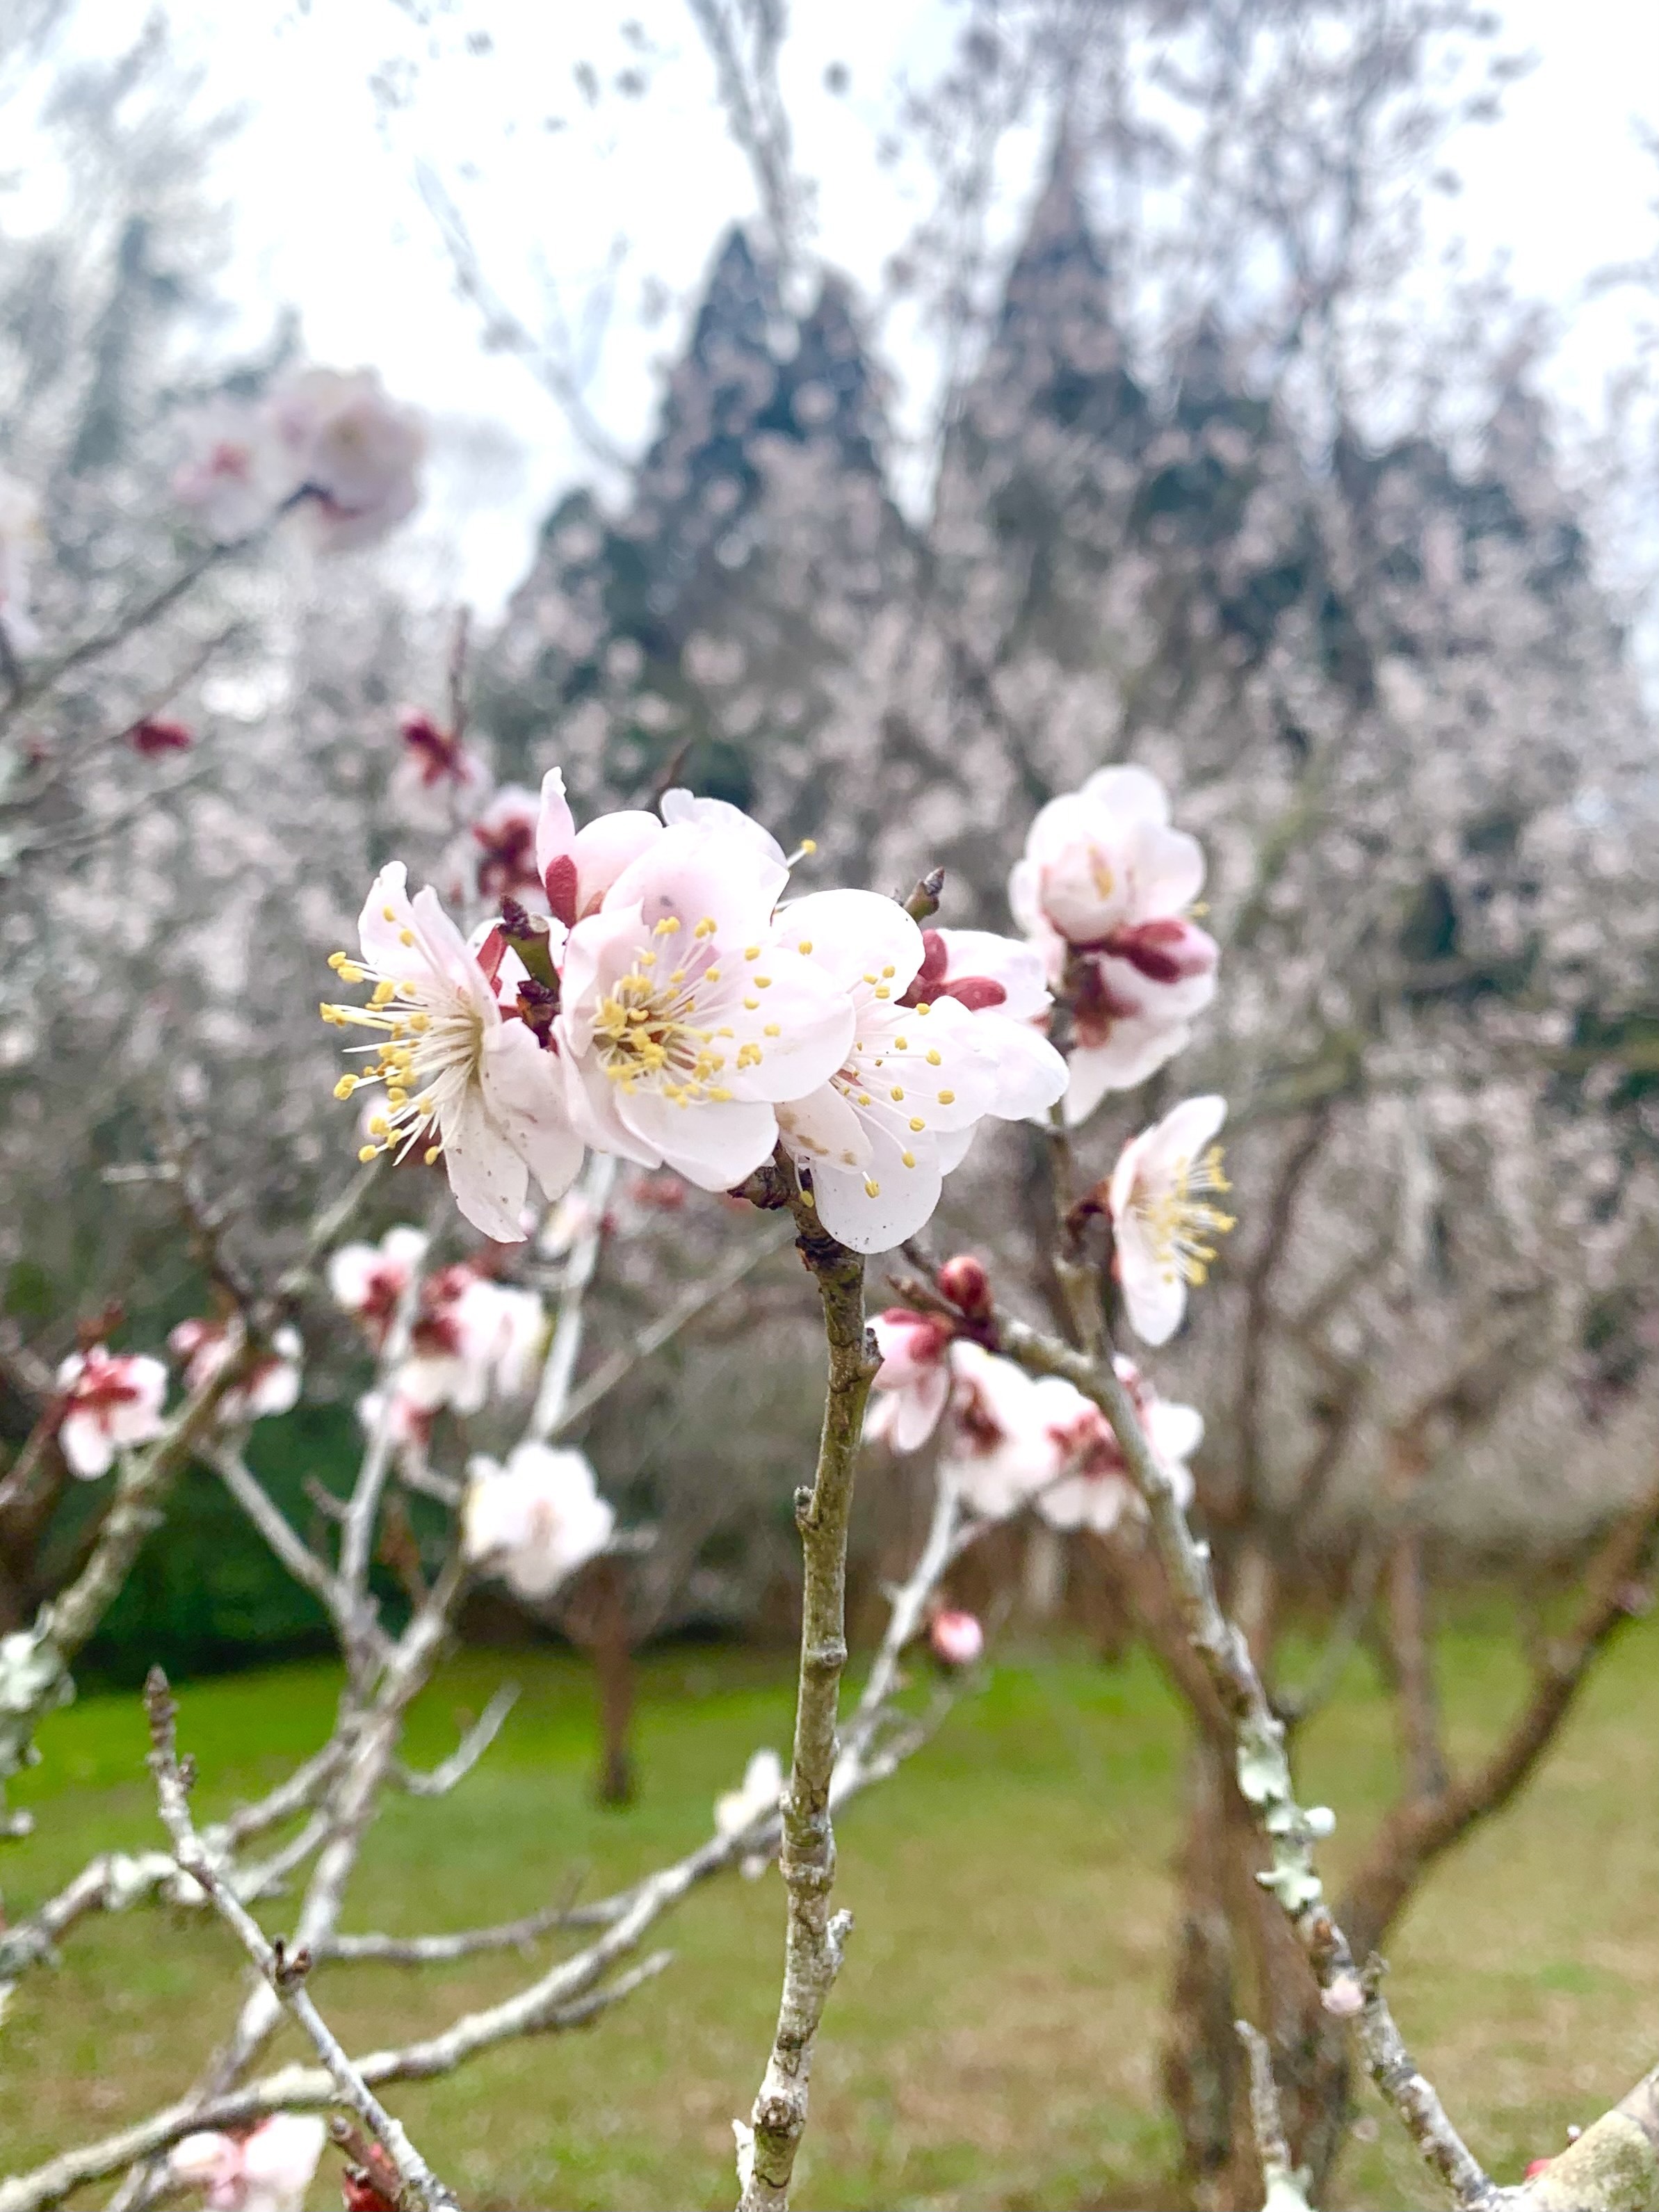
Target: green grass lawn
x=992, y=2042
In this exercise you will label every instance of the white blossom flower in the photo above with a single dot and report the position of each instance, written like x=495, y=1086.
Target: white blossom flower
x=495, y=856
x=1094, y=1487
x=684, y=1019
x=20, y=526
x=472, y=1339
x=1162, y=1217
x=535, y=1520
x=757, y=1796
x=368, y=1280
x=236, y=473
x=471, y=1083
x=409, y=1425
x=353, y=450
x=268, y=2170
x=682, y=806
x=572, y=1221
x=999, y=1449
x=877, y=1136
x=111, y=1400
x=1103, y=890
x=913, y=1383
x=271, y=1386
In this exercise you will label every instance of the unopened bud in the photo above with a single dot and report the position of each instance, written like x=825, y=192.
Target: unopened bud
x=152, y=737
x=1344, y=1997
x=956, y=1638
x=965, y=1283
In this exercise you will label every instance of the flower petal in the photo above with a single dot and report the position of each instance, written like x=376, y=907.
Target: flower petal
x=852, y=934
x=524, y=1091
x=487, y=1174
x=873, y=1211
x=713, y=1145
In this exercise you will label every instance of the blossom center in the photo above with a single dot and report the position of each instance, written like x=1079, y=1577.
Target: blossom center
x=1179, y=1219
x=644, y=1032
x=432, y=1048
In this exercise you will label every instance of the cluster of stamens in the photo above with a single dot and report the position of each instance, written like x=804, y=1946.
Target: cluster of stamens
x=643, y=1030
x=1181, y=1221
x=418, y=1057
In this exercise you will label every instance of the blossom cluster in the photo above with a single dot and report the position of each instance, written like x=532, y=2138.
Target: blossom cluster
x=470, y=1341
x=327, y=442
x=651, y=990
x=1008, y=1439
x=665, y=1002
x=108, y=1402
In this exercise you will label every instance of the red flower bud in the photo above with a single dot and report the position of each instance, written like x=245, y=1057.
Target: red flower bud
x=152, y=737
x=965, y=1283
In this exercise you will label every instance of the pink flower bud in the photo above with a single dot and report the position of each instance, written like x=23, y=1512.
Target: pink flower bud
x=956, y=1638
x=1344, y=1998
x=965, y=1283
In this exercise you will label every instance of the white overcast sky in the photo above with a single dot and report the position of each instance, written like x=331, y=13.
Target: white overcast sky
x=328, y=218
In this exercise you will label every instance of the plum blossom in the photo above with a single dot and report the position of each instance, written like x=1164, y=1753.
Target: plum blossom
x=754, y=1799
x=913, y=1383
x=268, y=2170
x=271, y=1386
x=472, y=1339
x=572, y=1221
x=354, y=453
x=111, y=1400
x=879, y=1132
x=494, y=857
x=1104, y=890
x=438, y=776
x=999, y=1448
x=367, y=1280
x=1093, y=1487
x=19, y=524
x=1002, y=981
x=470, y=1084
x=535, y=1520
x=684, y=1019
x=236, y=474
x=1163, y=1217
x=409, y=1425
x=956, y=1638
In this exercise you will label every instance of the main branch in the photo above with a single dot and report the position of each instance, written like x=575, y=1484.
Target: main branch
x=815, y=1934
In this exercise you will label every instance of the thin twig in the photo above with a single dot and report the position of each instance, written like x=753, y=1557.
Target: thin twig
x=439, y=1780
x=548, y=1415
x=695, y=1300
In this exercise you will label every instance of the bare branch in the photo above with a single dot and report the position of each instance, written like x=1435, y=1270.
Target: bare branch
x=284, y=1972
x=1263, y=1769
x=439, y=1780
x=547, y=1417
x=815, y=1936
x=1282, y=2183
